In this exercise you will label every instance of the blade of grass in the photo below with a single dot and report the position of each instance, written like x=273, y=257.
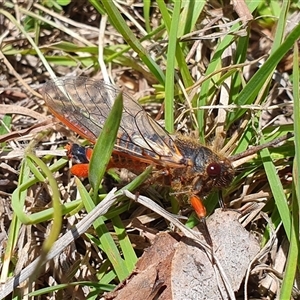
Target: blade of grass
x=47, y=214
x=14, y=226
x=293, y=255
x=105, y=274
x=174, y=51
x=190, y=13
x=125, y=244
x=180, y=58
x=57, y=215
x=277, y=189
x=170, y=72
x=56, y=204
x=103, y=287
x=146, y=10
x=104, y=146
x=296, y=94
x=107, y=243
x=280, y=26
x=4, y=127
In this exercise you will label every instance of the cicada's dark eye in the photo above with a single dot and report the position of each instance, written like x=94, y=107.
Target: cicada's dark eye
x=213, y=170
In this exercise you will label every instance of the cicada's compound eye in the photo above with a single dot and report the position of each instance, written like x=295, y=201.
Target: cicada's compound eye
x=214, y=169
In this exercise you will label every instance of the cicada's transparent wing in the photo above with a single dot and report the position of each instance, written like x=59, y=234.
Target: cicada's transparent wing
x=84, y=104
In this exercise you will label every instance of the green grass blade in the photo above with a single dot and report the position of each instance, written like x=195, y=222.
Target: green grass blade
x=105, y=239
x=277, y=189
x=56, y=204
x=170, y=72
x=172, y=25
x=281, y=26
x=4, y=127
x=104, y=146
x=47, y=214
x=190, y=14
x=14, y=226
x=293, y=255
x=291, y=265
x=146, y=10
x=57, y=287
x=296, y=95
x=174, y=51
x=125, y=243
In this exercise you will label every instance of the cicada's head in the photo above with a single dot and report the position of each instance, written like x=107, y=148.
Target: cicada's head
x=214, y=171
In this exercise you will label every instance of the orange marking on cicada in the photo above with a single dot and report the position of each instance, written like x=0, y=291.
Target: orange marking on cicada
x=198, y=206
x=89, y=153
x=80, y=170
x=74, y=127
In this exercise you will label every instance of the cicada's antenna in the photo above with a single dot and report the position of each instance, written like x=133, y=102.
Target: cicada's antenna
x=255, y=149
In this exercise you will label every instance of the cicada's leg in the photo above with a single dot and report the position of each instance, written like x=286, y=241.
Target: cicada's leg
x=200, y=211
x=80, y=170
x=198, y=206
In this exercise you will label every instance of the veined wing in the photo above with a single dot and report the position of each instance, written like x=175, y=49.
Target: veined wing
x=84, y=104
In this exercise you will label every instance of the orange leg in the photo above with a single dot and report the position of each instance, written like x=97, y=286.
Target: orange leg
x=198, y=206
x=80, y=170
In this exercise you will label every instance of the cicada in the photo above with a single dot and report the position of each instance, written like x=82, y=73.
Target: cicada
x=187, y=166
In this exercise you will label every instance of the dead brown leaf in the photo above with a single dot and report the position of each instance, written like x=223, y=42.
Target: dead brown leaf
x=176, y=267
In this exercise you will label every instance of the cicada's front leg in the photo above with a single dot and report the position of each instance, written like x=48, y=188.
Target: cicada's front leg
x=198, y=206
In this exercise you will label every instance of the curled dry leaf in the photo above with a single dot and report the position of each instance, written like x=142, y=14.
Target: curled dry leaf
x=43, y=122
x=19, y=110
x=27, y=133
